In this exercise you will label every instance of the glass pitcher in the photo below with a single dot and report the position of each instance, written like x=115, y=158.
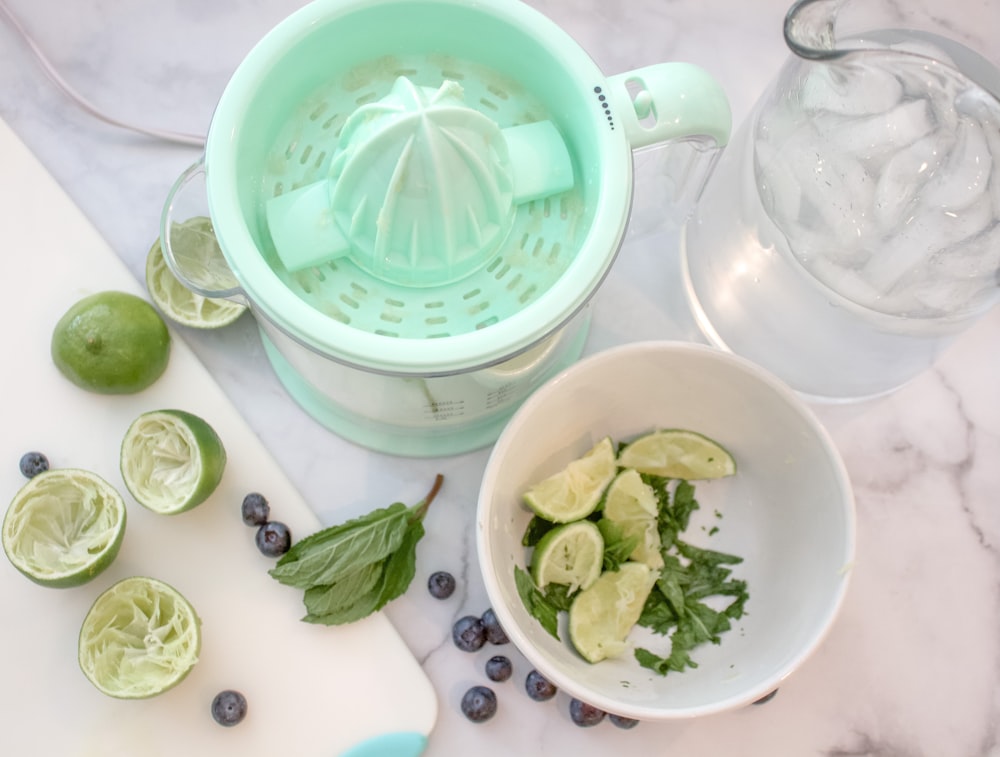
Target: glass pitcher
x=852, y=228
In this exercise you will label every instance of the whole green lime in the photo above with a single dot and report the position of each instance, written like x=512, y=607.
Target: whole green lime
x=111, y=343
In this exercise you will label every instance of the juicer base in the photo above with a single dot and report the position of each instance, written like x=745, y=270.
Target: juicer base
x=382, y=437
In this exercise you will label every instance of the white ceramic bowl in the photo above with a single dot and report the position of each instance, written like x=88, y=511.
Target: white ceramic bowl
x=788, y=511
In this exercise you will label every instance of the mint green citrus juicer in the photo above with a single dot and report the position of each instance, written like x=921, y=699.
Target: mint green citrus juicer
x=418, y=200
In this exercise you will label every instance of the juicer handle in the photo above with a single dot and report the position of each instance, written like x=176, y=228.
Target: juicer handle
x=670, y=101
x=203, y=270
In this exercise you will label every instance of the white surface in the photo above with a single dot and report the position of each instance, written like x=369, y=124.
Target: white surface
x=912, y=666
x=329, y=687
x=788, y=512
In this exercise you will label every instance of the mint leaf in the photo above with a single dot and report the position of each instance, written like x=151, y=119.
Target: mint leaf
x=677, y=661
x=323, y=611
x=699, y=624
x=332, y=598
x=617, y=546
x=401, y=566
x=707, y=556
x=325, y=556
x=559, y=596
x=536, y=529
x=684, y=504
x=657, y=614
x=675, y=509
x=369, y=589
x=351, y=570
x=671, y=583
x=535, y=602
x=689, y=575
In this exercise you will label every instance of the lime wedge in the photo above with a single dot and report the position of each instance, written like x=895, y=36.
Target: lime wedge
x=602, y=615
x=171, y=460
x=140, y=638
x=575, y=491
x=676, y=453
x=194, y=238
x=64, y=527
x=631, y=503
x=571, y=554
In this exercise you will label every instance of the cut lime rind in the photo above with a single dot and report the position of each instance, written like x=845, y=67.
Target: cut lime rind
x=64, y=527
x=576, y=490
x=571, y=554
x=631, y=504
x=111, y=342
x=194, y=239
x=678, y=453
x=602, y=616
x=171, y=460
x=140, y=638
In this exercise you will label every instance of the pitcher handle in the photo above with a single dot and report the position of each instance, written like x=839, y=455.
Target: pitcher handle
x=669, y=101
x=202, y=268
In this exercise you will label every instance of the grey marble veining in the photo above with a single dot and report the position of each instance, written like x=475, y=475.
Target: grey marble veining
x=912, y=666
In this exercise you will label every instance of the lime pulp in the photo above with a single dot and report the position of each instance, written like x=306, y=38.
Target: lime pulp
x=677, y=453
x=194, y=238
x=602, y=615
x=571, y=554
x=575, y=491
x=631, y=504
x=140, y=638
x=171, y=460
x=64, y=527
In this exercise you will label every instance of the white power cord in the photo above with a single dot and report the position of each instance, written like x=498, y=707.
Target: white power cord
x=53, y=75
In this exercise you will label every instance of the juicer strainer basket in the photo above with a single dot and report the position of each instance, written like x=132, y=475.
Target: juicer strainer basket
x=422, y=283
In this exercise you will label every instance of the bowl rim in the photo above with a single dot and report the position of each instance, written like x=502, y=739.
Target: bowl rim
x=596, y=698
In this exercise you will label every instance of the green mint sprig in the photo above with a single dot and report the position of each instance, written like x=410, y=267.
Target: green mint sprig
x=351, y=570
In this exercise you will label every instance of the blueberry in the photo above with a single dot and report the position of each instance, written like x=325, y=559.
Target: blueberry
x=441, y=584
x=499, y=668
x=767, y=697
x=494, y=631
x=33, y=463
x=229, y=707
x=585, y=715
x=479, y=704
x=255, y=509
x=274, y=538
x=468, y=633
x=539, y=687
x=622, y=722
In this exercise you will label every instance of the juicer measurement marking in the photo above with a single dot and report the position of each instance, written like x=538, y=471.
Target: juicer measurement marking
x=501, y=396
x=443, y=410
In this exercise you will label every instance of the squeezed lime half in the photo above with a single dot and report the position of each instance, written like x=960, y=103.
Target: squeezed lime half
x=602, y=615
x=194, y=238
x=171, y=460
x=571, y=554
x=64, y=527
x=140, y=638
x=575, y=491
x=631, y=504
x=678, y=453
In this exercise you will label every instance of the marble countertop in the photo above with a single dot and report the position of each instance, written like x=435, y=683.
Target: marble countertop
x=912, y=665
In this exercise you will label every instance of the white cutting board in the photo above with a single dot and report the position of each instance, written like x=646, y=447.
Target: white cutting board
x=312, y=690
